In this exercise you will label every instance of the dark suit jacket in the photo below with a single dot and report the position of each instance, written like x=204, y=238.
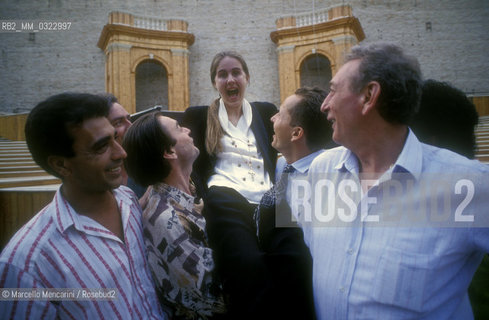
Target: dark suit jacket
x=195, y=118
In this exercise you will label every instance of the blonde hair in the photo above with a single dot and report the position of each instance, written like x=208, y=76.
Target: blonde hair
x=214, y=131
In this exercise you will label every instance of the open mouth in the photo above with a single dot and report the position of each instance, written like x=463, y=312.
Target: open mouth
x=115, y=170
x=332, y=122
x=232, y=92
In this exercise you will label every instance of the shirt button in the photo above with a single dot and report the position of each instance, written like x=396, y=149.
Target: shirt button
x=342, y=289
x=350, y=251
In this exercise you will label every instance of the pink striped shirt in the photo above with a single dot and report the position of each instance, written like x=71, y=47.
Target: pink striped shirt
x=59, y=248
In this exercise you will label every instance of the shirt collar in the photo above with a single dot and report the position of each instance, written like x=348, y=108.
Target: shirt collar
x=411, y=157
x=409, y=160
x=348, y=162
x=66, y=216
x=302, y=165
x=183, y=204
x=223, y=114
x=180, y=197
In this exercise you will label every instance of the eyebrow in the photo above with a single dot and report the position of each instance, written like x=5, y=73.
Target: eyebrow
x=233, y=69
x=121, y=117
x=102, y=141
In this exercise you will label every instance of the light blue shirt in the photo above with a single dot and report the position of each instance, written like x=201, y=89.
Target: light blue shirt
x=302, y=165
x=301, y=168
x=398, y=268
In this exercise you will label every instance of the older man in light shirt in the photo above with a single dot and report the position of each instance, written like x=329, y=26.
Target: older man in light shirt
x=396, y=228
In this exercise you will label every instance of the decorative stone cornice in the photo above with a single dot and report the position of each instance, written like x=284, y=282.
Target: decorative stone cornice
x=339, y=23
x=113, y=29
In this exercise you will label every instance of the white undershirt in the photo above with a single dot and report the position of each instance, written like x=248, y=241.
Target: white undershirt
x=239, y=165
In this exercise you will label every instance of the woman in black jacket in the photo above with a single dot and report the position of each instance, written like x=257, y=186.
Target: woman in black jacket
x=235, y=167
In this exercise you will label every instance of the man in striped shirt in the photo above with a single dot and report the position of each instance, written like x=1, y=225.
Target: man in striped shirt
x=90, y=235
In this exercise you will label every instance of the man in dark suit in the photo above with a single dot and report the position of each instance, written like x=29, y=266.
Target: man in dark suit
x=302, y=132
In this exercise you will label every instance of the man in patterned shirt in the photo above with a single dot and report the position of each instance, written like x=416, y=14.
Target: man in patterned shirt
x=160, y=153
x=90, y=235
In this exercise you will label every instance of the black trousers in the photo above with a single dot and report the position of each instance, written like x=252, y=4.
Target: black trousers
x=269, y=282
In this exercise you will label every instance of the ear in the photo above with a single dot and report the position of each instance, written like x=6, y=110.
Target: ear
x=371, y=96
x=170, y=155
x=297, y=133
x=60, y=165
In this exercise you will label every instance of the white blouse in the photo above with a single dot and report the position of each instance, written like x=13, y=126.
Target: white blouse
x=239, y=165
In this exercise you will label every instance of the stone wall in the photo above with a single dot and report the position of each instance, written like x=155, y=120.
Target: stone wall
x=449, y=37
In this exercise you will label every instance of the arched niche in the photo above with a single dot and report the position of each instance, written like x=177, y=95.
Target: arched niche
x=151, y=81
x=330, y=32
x=127, y=40
x=315, y=70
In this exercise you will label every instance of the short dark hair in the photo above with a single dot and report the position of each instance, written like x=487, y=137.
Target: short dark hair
x=307, y=114
x=47, y=126
x=398, y=74
x=110, y=98
x=446, y=118
x=145, y=142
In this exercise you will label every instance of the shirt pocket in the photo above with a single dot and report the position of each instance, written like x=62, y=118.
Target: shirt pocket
x=401, y=279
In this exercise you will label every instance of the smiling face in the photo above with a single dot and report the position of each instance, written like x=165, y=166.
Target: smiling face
x=97, y=164
x=120, y=120
x=343, y=105
x=231, y=82
x=282, y=125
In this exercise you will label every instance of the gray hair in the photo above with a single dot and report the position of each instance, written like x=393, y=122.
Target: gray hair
x=398, y=74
